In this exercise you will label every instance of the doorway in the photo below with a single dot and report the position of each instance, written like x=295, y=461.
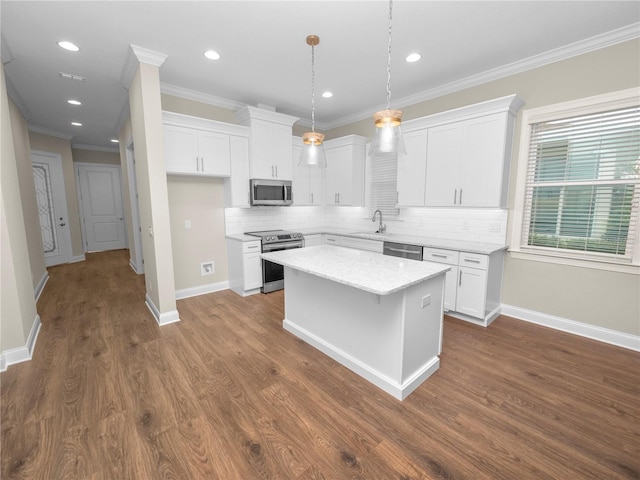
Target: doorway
x=101, y=207
x=52, y=207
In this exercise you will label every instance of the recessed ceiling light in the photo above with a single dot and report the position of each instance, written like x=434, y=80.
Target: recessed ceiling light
x=74, y=102
x=327, y=95
x=69, y=46
x=76, y=124
x=413, y=57
x=115, y=140
x=212, y=55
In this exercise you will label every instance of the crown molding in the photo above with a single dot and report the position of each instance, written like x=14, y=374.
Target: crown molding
x=94, y=148
x=187, y=94
x=49, y=132
x=135, y=56
x=598, y=42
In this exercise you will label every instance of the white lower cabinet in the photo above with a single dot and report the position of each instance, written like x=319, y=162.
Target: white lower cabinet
x=473, y=285
x=245, y=266
x=352, y=242
x=312, y=240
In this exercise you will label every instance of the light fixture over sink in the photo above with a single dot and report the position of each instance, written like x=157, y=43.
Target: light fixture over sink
x=312, y=149
x=388, y=137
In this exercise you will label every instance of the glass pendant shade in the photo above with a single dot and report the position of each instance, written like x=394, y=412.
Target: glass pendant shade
x=312, y=150
x=388, y=138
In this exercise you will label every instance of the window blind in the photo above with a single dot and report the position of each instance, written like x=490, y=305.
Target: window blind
x=384, y=192
x=582, y=187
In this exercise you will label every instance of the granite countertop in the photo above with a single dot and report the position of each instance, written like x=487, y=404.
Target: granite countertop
x=443, y=243
x=368, y=271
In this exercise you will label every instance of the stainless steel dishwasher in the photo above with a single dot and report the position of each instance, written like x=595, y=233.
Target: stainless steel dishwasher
x=404, y=250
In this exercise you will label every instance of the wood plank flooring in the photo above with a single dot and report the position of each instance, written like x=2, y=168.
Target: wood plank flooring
x=227, y=394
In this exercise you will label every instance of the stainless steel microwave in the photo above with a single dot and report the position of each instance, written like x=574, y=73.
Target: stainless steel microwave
x=270, y=192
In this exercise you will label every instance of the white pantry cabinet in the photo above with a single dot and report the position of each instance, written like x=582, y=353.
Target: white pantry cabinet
x=307, y=180
x=344, y=175
x=270, y=148
x=313, y=240
x=245, y=266
x=197, y=146
x=473, y=286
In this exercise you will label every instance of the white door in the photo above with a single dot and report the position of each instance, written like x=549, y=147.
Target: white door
x=52, y=207
x=101, y=201
x=138, y=263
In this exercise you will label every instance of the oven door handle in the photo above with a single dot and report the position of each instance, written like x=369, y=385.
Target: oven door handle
x=286, y=246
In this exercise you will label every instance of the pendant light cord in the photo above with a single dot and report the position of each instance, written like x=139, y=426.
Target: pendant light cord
x=389, y=59
x=313, y=90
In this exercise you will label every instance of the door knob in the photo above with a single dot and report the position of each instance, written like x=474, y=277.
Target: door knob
x=62, y=224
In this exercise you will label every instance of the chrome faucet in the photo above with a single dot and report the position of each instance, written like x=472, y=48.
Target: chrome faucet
x=381, y=227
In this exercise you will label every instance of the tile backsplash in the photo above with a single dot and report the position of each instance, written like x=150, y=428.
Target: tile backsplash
x=480, y=225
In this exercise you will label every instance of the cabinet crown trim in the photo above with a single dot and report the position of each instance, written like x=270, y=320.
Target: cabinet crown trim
x=510, y=104
x=178, y=119
x=346, y=140
x=248, y=113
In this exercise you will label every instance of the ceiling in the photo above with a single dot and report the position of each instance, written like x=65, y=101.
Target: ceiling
x=265, y=59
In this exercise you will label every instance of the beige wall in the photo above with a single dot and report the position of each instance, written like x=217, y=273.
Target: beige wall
x=201, y=201
x=28, y=195
x=62, y=147
x=604, y=299
x=17, y=303
x=94, y=156
x=146, y=125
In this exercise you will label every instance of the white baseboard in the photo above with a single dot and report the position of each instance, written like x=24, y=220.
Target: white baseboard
x=40, y=287
x=201, y=290
x=399, y=391
x=601, y=334
x=134, y=267
x=162, y=318
x=21, y=354
x=77, y=258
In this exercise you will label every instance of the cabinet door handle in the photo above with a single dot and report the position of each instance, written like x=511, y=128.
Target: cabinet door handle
x=455, y=196
x=460, y=280
x=471, y=260
x=276, y=171
x=438, y=255
x=338, y=197
x=197, y=164
x=460, y=196
x=311, y=197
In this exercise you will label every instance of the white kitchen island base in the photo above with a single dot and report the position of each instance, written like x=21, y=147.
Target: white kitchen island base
x=391, y=340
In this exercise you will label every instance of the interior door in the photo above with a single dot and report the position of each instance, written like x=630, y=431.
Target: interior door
x=101, y=200
x=52, y=207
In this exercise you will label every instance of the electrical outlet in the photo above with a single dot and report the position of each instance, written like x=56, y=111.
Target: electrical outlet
x=207, y=268
x=426, y=300
x=494, y=227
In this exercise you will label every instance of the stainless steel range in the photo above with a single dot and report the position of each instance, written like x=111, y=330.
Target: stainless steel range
x=272, y=241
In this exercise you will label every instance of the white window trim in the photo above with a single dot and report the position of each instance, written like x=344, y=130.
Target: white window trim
x=583, y=106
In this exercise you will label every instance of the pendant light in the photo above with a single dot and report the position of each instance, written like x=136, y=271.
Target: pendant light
x=312, y=149
x=388, y=137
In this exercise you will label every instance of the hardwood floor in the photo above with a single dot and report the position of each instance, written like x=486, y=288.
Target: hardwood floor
x=227, y=394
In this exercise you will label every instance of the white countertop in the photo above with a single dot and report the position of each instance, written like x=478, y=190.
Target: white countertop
x=368, y=271
x=443, y=243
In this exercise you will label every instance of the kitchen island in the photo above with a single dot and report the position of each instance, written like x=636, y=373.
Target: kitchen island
x=379, y=316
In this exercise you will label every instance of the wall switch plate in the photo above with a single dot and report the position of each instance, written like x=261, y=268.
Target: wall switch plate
x=207, y=268
x=187, y=224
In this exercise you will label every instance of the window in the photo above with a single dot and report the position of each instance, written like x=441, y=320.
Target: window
x=579, y=180
x=384, y=191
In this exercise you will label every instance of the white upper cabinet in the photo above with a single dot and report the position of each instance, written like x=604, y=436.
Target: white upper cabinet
x=459, y=158
x=412, y=168
x=466, y=163
x=270, y=149
x=196, y=146
x=307, y=180
x=344, y=176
